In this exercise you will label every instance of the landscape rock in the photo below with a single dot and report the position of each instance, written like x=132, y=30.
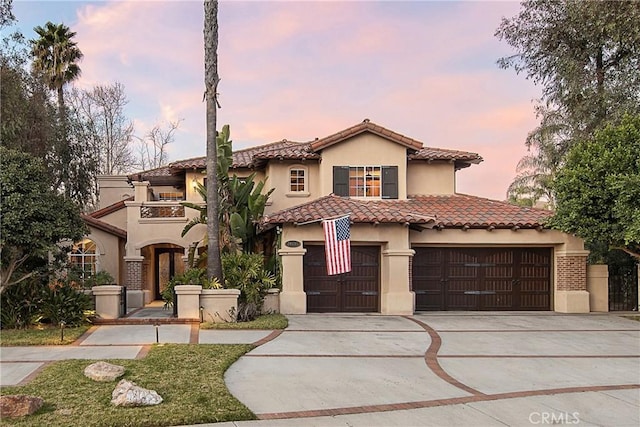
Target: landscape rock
x=19, y=405
x=128, y=393
x=103, y=371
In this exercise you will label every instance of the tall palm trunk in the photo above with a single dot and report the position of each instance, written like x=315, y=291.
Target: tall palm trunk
x=214, y=264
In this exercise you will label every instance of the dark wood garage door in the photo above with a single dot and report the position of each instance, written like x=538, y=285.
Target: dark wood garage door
x=357, y=291
x=482, y=278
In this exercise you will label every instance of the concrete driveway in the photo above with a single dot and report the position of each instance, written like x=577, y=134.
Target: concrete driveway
x=444, y=369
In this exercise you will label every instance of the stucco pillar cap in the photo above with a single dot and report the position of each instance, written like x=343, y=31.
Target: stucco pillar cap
x=106, y=290
x=188, y=289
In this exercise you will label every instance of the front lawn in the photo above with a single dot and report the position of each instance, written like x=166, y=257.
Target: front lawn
x=266, y=321
x=40, y=336
x=188, y=377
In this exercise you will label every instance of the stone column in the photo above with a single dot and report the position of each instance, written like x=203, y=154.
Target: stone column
x=293, y=299
x=133, y=281
x=397, y=297
x=571, y=295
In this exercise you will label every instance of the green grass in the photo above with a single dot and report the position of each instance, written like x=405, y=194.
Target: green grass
x=40, y=336
x=188, y=377
x=266, y=321
x=633, y=318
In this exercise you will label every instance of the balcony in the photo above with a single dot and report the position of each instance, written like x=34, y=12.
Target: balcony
x=153, y=210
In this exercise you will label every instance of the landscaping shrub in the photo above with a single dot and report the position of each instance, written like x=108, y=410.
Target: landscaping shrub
x=246, y=272
x=30, y=303
x=20, y=305
x=192, y=276
x=63, y=302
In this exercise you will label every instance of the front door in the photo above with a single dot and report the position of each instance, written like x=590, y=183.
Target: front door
x=168, y=262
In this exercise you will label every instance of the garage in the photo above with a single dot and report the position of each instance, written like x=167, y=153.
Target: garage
x=482, y=278
x=356, y=291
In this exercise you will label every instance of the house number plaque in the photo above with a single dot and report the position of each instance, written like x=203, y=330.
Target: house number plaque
x=292, y=243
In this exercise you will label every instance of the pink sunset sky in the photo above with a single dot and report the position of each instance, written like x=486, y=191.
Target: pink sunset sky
x=301, y=70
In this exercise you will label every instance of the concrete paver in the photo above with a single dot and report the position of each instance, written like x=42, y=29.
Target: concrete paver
x=574, y=343
x=138, y=334
x=217, y=336
x=524, y=321
x=51, y=353
x=504, y=375
x=340, y=343
x=13, y=373
x=312, y=383
x=346, y=322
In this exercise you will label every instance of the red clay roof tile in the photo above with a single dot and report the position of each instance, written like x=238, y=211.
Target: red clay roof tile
x=450, y=211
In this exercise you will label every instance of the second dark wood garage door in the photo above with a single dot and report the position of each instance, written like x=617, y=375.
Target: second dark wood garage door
x=482, y=278
x=357, y=291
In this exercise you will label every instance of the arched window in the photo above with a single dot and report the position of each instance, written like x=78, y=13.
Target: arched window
x=84, y=258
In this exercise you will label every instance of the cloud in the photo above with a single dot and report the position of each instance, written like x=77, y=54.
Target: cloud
x=300, y=70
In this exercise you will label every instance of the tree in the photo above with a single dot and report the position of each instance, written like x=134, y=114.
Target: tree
x=101, y=112
x=152, y=149
x=586, y=56
x=598, y=190
x=56, y=55
x=35, y=219
x=211, y=80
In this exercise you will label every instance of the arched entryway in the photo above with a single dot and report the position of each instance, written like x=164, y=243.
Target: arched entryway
x=162, y=262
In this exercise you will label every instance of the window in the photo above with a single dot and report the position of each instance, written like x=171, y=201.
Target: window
x=297, y=180
x=366, y=181
x=83, y=258
x=174, y=196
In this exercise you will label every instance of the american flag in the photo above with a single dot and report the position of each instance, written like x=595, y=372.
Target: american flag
x=337, y=245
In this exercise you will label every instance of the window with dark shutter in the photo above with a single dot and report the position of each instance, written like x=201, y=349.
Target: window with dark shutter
x=389, y=182
x=341, y=181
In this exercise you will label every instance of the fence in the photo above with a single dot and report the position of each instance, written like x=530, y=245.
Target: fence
x=623, y=287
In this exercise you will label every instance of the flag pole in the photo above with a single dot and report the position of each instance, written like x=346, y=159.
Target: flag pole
x=322, y=219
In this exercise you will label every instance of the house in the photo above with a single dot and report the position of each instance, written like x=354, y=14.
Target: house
x=416, y=243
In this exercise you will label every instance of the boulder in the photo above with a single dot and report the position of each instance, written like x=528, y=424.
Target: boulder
x=19, y=405
x=128, y=393
x=103, y=371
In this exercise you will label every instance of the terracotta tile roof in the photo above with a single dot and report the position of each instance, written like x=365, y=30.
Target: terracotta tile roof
x=290, y=150
x=101, y=225
x=367, y=211
x=458, y=210
x=451, y=211
x=111, y=208
x=366, y=126
x=431, y=153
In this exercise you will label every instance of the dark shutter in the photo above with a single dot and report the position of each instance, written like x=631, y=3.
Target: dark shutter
x=389, y=182
x=341, y=181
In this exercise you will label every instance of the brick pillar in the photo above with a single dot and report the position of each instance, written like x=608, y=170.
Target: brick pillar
x=572, y=273
x=134, y=272
x=571, y=295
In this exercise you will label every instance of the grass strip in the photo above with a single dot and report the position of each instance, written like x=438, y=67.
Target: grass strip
x=40, y=336
x=266, y=321
x=190, y=379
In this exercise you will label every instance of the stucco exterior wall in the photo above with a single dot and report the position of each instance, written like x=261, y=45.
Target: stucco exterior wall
x=425, y=178
x=109, y=255
x=364, y=150
x=112, y=189
x=278, y=174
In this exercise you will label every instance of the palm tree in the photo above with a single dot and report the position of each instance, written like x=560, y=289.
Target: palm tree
x=56, y=56
x=211, y=79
